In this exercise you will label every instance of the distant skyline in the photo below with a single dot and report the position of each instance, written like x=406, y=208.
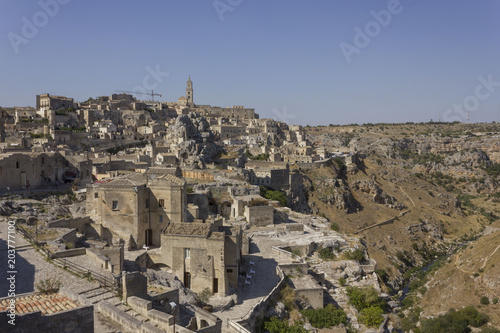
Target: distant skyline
x=317, y=63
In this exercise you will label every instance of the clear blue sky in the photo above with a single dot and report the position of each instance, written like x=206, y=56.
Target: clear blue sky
x=283, y=55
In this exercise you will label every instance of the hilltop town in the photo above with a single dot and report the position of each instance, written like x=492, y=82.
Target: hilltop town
x=146, y=216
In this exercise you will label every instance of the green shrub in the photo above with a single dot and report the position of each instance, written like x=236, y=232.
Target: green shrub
x=455, y=321
x=326, y=317
x=325, y=253
x=382, y=274
x=274, y=195
x=371, y=316
x=362, y=298
x=48, y=286
x=340, y=163
x=205, y=295
x=275, y=325
x=342, y=281
x=484, y=300
x=355, y=255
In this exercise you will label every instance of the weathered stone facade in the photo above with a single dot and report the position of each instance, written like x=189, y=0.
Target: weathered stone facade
x=136, y=208
x=37, y=169
x=203, y=255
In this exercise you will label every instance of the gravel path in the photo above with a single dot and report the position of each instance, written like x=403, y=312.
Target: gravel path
x=32, y=268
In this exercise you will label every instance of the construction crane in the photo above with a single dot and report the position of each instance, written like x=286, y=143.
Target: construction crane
x=152, y=94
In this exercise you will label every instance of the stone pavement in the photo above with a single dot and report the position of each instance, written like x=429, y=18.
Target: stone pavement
x=261, y=283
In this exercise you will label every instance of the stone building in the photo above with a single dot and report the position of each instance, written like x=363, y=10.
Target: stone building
x=50, y=102
x=137, y=207
x=270, y=174
x=228, y=131
x=53, y=312
x=37, y=169
x=204, y=255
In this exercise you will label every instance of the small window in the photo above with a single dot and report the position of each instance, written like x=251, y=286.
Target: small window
x=229, y=270
x=147, y=203
x=161, y=202
x=17, y=165
x=161, y=218
x=96, y=195
x=115, y=204
x=187, y=253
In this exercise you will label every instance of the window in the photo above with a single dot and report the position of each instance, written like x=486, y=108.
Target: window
x=161, y=218
x=96, y=195
x=187, y=253
x=161, y=202
x=229, y=270
x=115, y=204
x=17, y=165
x=147, y=203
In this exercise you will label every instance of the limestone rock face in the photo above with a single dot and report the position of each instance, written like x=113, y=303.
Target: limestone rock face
x=8, y=208
x=191, y=134
x=370, y=187
x=435, y=230
x=335, y=192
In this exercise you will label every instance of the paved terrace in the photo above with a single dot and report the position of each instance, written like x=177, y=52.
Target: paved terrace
x=261, y=283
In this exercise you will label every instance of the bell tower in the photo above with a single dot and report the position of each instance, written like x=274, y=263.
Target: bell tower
x=189, y=92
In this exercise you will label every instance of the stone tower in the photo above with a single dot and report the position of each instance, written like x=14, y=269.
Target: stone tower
x=189, y=92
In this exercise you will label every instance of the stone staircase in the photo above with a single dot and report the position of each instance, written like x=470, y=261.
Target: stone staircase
x=101, y=294
x=341, y=298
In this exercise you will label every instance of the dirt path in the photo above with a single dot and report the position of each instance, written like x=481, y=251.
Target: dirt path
x=457, y=263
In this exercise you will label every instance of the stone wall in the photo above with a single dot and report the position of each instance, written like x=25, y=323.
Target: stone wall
x=70, y=238
x=259, y=215
x=116, y=256
x=295, y=268
x=197, y=175
x=314, y=296
x=78, y=223
x=134, y=284
x=69, y=253
x=204, y=266
x=257, y=311
x=78, y=320
x=125, y=319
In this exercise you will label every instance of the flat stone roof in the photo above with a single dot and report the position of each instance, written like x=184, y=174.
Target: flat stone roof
x=305, y=282
x=190, y=229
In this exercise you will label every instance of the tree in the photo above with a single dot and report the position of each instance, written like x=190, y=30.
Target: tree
x=363, y=298
x=371, y=316
x=274, y=195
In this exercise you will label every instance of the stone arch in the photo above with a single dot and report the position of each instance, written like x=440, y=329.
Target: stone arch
x=225, y=209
